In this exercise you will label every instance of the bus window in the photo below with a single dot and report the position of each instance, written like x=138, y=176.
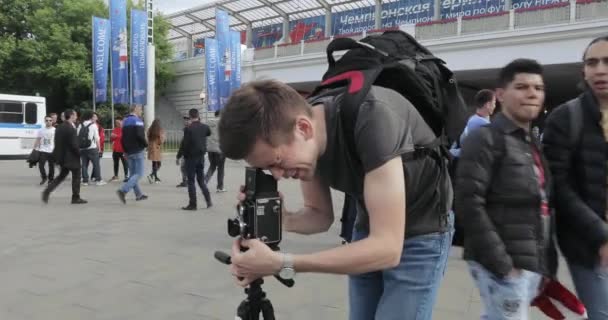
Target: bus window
x=31, y=113
x=11, y=112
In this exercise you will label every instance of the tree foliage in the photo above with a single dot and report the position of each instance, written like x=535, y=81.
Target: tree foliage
x=45, y=48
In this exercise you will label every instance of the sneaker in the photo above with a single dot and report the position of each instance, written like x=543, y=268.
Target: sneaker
x=220, y=190
x=85, y=184
x=121, y=195
x=125, y=180
x=142, y=197
x=189, y=207
x=157, y=181
x=101, y=183
x=43, y=181
x=114, y=179
x=181, y=185
x=79, y=201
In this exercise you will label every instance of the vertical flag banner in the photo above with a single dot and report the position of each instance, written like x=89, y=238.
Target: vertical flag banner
x=211, y=74
x=139, y=65
x=120, y=59
x=101, y=46
x=235, y=51
x=222, y=35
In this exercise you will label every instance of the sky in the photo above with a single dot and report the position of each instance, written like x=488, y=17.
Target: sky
x=170, y=6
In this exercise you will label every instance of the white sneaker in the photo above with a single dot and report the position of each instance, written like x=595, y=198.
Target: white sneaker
x=101, y=183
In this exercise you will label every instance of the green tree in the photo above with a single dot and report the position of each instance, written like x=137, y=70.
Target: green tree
x=45, y=48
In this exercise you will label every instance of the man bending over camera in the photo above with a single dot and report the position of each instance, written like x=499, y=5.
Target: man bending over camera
x=394, y=271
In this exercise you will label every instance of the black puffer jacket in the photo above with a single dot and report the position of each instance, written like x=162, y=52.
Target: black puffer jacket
x=499, y=200
x=580, y=182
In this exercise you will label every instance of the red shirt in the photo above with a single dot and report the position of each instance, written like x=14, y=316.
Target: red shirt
x=116, y=143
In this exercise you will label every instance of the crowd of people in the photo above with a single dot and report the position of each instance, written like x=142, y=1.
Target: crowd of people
x=78, y=141
x=518, y=196
x=514, y=194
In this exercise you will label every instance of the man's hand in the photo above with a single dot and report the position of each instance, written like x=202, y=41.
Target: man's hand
x=257, y=262
x=604, y=255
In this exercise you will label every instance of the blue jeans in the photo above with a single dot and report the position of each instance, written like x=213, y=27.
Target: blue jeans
x=136, y=163
x=91, y=155
x=407, y=291
x=505, y=298
x=592, y=288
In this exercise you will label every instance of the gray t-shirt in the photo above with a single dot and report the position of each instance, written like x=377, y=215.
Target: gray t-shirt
x=387, y=126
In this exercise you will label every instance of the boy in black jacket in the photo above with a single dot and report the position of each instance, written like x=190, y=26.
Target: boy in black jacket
x=502, y=192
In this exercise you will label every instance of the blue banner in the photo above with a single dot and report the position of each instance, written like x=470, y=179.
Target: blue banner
x=222, y=35
x=451, y=9
x=139, y=56
x=525, y=4
x=101, y=56
x=211, y=74
x=392, y=15
x=402, y=12
x=353, y=21
x=235, y=51
x=120, y=57
x=266, y=36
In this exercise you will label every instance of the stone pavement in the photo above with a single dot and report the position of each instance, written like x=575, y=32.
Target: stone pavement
x=149, y=260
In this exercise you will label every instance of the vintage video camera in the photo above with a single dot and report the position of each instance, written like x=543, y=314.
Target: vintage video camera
x=259, y=216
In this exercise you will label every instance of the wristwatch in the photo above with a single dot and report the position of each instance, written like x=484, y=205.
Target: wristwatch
x=287, y=271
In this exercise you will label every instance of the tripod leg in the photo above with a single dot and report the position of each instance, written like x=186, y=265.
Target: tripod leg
x=267, y=310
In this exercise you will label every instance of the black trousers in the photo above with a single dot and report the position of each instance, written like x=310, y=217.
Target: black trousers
x=119, y=156
x=216, y=161
x=62, y=175
x=44, y=158
x=194, y=169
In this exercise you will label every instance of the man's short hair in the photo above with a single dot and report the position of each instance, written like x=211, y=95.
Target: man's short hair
x=482, y=97
x=217, y=113
x=52, y=114
x=507, y=73
x=193, y=113
x=118, y=118
x=67, y=113
x=134, y=106
x=263, y=109
x=87, y=115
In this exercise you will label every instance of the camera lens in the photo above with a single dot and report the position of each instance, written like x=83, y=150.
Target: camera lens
x=234, y=227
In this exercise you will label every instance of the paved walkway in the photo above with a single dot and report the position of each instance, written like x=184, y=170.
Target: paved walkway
x=149, y=260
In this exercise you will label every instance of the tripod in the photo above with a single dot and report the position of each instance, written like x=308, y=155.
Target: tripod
x=256, y=301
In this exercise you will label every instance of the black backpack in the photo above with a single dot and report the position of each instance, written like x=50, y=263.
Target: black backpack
x=83, y=136
x=394, y=60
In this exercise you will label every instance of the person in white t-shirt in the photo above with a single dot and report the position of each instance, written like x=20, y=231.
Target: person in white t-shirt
x=45, y=143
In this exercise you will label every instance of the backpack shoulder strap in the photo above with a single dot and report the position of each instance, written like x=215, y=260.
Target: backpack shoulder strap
x=575, y=112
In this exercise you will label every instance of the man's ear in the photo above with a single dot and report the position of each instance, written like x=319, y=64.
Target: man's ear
x=304, y=127
x=500, y=94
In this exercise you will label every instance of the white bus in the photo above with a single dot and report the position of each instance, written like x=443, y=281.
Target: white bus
x=20, y=119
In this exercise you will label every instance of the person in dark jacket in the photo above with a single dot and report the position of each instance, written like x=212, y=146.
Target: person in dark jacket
x=580, y=171
x=193, y=149
x=67, y=154
x=134, y=143
x=503, y=187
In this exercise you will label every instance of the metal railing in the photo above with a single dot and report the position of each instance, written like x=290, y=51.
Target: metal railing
x=171, y=144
